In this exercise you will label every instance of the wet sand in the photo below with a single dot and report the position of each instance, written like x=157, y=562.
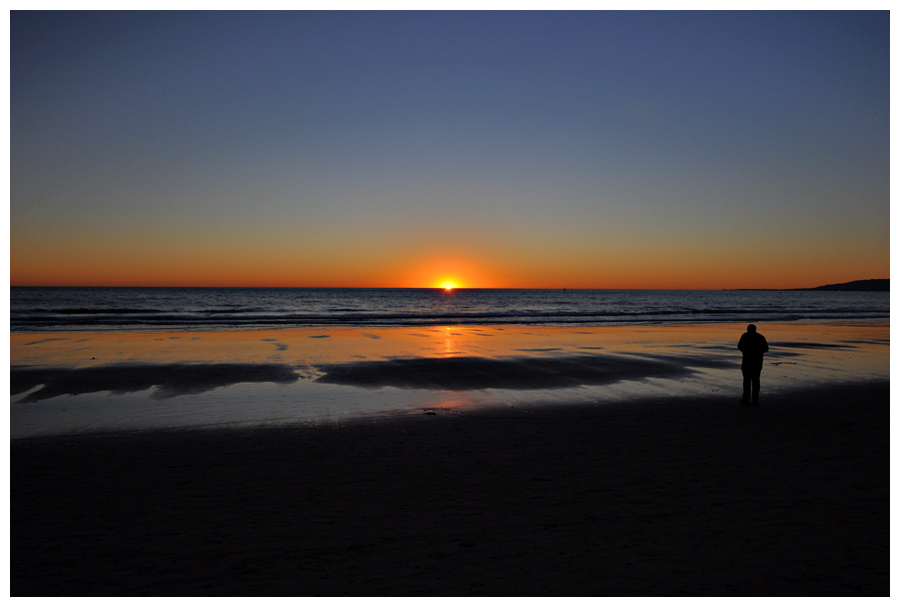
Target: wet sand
x=660, y=496
x=64, y=383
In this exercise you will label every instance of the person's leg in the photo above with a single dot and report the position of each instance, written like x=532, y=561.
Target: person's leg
x=755, y=373
x=748, y=379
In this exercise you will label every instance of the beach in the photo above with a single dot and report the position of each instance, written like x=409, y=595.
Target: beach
x=651, y=497
x=123, y=381
x=519, y=462
x=438, y=304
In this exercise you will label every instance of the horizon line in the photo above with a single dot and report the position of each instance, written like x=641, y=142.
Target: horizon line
x=138, y=286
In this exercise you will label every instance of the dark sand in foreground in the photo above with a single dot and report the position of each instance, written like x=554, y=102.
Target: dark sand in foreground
x=696, y=497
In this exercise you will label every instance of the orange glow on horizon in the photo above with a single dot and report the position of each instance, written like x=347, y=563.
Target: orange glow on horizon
x=448, y=272
x=283, y=263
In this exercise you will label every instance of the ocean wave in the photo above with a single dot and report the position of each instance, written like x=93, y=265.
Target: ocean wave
x=35, y=310
x=89, y=311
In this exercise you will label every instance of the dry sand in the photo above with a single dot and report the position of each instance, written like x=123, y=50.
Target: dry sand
x=655, y=497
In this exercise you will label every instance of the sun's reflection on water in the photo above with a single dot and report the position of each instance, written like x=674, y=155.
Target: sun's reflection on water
x=801, y=355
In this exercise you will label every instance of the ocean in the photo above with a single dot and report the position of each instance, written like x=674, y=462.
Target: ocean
x=122, y=359
x=200, y=309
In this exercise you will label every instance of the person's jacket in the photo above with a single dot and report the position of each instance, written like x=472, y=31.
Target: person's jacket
x=753, y=345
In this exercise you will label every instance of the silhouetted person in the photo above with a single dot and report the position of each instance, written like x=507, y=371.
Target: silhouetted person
x=753, y=345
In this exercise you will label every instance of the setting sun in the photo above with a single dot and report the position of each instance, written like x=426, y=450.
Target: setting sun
x=448, y=285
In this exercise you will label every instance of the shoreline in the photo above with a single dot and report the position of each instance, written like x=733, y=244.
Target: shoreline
x=656, y=496
x=64, y=383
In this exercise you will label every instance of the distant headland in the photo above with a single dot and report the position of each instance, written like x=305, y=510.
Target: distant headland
x=874, y=284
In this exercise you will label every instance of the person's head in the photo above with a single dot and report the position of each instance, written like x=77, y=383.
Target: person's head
x=751, y=328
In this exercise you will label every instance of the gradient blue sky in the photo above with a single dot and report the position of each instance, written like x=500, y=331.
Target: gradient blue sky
x=585, y=149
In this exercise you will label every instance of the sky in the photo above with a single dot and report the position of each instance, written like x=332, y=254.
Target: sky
x=673, y=150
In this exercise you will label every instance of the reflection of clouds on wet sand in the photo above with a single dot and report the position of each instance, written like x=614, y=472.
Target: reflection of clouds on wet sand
x=515, y=373
x=43, y=341
x=278, y=345
x=404, y=370
x=168, y=380
x=806, y=344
